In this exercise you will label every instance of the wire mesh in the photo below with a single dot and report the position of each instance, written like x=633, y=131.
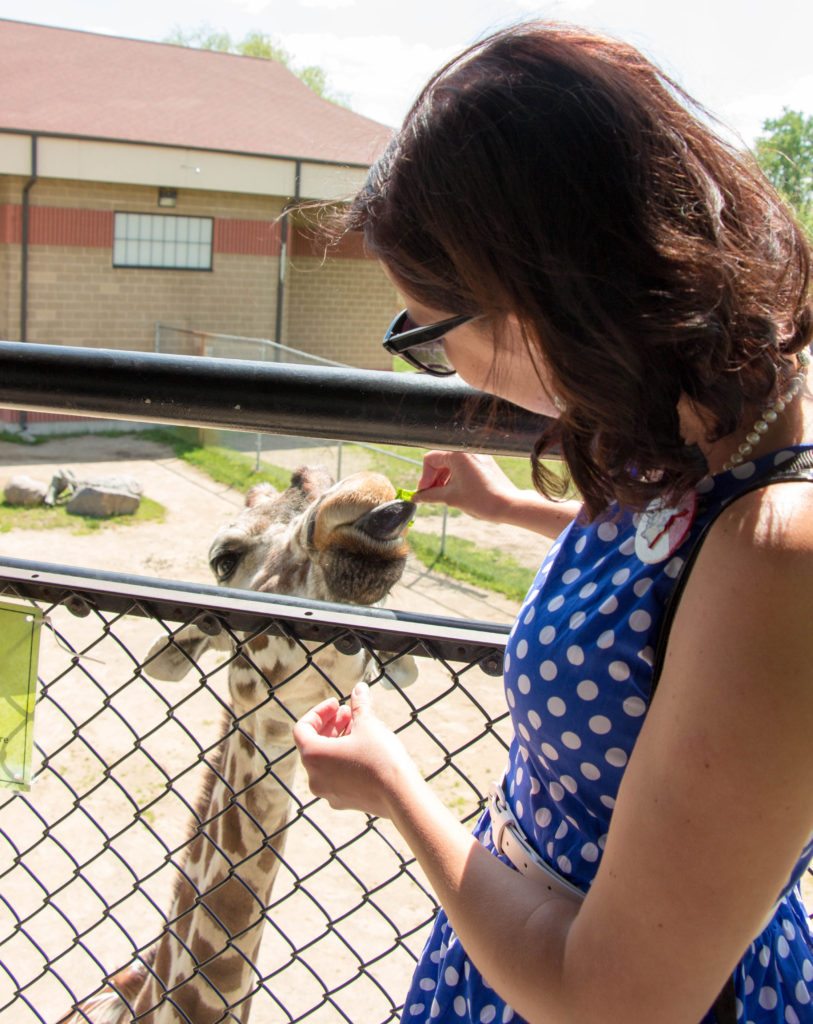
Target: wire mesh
x=113, y=848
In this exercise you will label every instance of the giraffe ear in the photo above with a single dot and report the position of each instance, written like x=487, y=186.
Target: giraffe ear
x=171, y=657
x=260, y=492
x=312, y=480
x=398, y=674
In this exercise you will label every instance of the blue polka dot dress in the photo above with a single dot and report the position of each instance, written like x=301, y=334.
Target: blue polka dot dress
x=578, y=674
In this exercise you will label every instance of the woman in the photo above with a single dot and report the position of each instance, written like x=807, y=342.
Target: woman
x=576, y=241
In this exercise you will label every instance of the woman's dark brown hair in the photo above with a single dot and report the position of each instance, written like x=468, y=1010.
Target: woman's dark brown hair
x=559, y=176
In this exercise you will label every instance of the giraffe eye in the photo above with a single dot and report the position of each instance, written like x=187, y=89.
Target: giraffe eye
x=224, y=564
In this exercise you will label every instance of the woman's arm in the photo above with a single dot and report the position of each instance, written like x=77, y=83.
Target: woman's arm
x=475, y=484
x=715, y=806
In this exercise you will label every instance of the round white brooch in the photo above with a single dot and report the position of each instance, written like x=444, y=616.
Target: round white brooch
x=662, y=529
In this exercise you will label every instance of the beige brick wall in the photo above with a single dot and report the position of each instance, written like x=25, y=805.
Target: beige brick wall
x=76, y=297
x=11, y=188
x=336, y=309
x=339, y=309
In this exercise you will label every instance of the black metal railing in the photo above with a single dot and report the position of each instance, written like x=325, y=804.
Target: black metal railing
x=276, y=398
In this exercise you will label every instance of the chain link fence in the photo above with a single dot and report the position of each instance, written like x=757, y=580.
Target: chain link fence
x=102, y=856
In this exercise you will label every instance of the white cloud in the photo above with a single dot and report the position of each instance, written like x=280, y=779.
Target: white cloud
x=561, y=9
x=746, y=114
x=380, y=75
x=251, y=6
x=328, y=4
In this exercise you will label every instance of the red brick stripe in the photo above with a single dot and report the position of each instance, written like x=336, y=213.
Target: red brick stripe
x=350, y=247
x=249, y=237
x=11, y=223
x=12, y=416
x=51, y=225
x=86, y=228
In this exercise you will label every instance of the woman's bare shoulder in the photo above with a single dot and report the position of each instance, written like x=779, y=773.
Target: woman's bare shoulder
x=773, y=520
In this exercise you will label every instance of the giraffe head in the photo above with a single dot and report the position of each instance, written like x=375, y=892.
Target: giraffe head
x=339, y=542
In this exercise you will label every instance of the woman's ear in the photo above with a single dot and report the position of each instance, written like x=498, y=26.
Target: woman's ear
x=694, y=422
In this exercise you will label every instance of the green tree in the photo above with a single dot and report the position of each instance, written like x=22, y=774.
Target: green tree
x=256, y=44
x=785, y=153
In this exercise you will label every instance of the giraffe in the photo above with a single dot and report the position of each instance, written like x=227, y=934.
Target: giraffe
x=340, y=542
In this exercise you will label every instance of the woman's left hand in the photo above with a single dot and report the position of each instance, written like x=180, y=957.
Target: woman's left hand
x=351, y=758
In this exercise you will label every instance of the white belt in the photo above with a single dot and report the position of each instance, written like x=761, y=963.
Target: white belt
x=509, y=839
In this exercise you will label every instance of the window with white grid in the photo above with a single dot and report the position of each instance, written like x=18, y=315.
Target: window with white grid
x=162, y=241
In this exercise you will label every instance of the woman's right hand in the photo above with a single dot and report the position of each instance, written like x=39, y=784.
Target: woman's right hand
x=473, y=483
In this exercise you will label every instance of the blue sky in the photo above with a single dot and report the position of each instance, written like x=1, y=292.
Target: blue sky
x=743, y=59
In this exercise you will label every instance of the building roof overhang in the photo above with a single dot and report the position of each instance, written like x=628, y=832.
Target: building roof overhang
x=186, y=117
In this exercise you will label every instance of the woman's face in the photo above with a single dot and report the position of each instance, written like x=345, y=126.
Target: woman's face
x=492, y=358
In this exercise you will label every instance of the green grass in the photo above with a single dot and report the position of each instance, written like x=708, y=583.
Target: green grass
x=15, y=517
x=224, y=466
x=235, y=469
x=463, y=560
x=516, y=468
x=9, y=437
x=400, y=365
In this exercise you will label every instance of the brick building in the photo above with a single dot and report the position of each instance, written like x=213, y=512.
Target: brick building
x=145, y=183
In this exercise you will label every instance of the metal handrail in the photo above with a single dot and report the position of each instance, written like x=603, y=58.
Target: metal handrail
x=277, y=398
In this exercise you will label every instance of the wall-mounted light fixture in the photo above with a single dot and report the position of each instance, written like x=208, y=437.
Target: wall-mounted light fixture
x=167, y=196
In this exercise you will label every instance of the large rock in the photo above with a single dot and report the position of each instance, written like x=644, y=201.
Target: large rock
x=24, y=490
x=64, y=483
x=102, y=500
x=113, y=483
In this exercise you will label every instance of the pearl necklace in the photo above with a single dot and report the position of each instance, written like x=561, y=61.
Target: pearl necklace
x=769, y=414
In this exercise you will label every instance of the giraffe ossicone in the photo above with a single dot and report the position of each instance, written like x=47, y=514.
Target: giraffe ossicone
x=342, y=542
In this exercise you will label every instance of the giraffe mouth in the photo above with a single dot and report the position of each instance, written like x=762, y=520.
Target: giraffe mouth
x=387, y=521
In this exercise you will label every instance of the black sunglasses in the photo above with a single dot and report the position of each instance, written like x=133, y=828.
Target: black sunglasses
x=422, y=347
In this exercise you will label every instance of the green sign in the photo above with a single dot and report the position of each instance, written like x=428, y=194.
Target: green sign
x=19, y=649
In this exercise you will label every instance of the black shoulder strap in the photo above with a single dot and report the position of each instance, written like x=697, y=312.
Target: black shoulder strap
x=800, y=467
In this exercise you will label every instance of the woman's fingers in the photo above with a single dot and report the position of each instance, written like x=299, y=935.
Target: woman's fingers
x=473, y=483
x=348, y=753
x=321, y=720
x=435, y=473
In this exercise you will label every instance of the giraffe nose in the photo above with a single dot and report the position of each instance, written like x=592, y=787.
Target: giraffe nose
x=386, y=522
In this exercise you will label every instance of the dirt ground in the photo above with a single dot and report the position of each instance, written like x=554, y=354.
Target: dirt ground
x=95, y=772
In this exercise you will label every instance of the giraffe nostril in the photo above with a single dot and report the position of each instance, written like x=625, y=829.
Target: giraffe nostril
x=386, y=522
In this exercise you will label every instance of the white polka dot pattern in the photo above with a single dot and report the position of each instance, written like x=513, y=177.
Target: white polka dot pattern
x=578, y=670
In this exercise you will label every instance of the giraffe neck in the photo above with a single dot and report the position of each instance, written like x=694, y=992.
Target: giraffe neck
x=203, y=963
